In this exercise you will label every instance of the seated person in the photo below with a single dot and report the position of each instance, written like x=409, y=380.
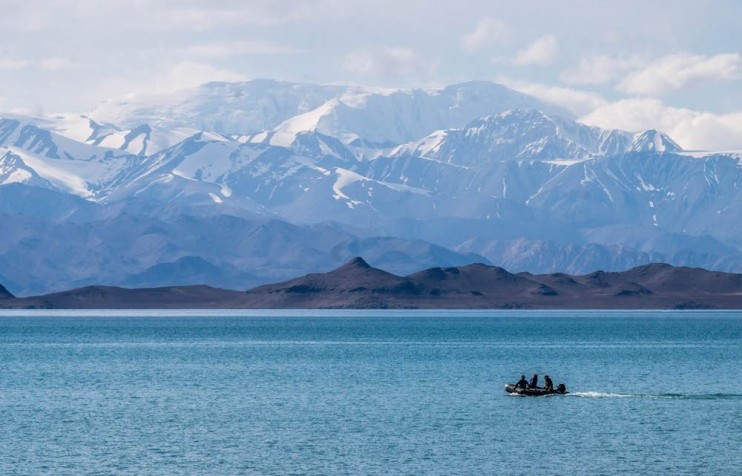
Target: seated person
x=522, y=383
x=534, y=381
x=548, y=383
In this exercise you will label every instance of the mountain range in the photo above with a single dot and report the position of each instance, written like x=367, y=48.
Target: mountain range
x=240, y=184
x=357, y=285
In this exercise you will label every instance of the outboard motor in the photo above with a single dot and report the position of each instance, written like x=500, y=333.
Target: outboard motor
x=561, y=388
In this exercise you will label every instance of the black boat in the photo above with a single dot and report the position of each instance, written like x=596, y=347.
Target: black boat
x=535, y=392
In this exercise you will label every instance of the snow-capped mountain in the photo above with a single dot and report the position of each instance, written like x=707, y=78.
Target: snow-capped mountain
x=385, y=118
x=518, y=135
x=654, y=141
x=227, y=108
x=142, y=139
x=470, y=171
x=354, y=114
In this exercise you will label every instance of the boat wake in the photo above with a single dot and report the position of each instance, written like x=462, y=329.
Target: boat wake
x=669, y=396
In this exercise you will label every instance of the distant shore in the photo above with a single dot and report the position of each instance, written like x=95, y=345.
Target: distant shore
x=357, y=285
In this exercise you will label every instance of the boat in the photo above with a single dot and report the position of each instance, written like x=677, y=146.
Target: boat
x=537, y=391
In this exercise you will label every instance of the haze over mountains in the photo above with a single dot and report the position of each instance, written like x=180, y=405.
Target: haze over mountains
x=240, y=184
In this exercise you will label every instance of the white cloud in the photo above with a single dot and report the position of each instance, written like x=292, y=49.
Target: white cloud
x=691, y=129
x=173, y=77
x=208, y=17
x=389, y=63
x=162, y=15
x=695, y=130
x=46, y=64
x=9, y=64
x=542, y=51
x=484, y=35
x=236, y=48
x=57, y=64
x=188, y=74
x=677, y=71
x=600, y=69
x=573, y=100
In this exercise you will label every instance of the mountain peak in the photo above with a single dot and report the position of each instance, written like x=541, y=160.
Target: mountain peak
x=652, y=140
x=4, y=293
x=356, y=263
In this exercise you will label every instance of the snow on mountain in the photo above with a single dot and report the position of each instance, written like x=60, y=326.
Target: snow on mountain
x=654, y=141
x=308, y=182
x=14, y=170
x=471, y=167
x=353, y=114
x=41, y=156
x=142, y=139
x=517, y=166
x=497, y=167
x=18, y=166
x=226, y=108
x=389, y=117
x=518, y=135
x=77, y=155
x=672, y=192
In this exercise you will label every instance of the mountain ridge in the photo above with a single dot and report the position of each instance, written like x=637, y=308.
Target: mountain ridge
x=477, y=173
x=357, y=285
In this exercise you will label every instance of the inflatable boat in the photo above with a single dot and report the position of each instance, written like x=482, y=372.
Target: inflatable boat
x=535, y=392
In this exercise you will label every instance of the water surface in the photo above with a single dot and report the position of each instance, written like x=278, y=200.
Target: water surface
x=360, y=392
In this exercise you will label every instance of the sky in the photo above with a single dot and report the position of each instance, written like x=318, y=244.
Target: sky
x=669, y=65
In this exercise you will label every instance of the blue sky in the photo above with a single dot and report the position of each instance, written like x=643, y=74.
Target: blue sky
x=671, y=65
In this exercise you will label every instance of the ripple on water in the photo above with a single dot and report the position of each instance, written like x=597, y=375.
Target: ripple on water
x=405, y=393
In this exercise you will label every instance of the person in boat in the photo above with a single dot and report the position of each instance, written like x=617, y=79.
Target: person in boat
x=548, y=383
x=522, y=383
x=534, y=381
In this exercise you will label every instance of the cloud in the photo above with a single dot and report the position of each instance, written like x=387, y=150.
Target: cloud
x=45, y=64
x=188, y=74
x=542, y=51
x=9, y=64
x=675, y=72
x=485, y=34
x=600, y=69
x=389, y=63
x=695, y=130
x=160, y=15
x=57, y=64
x=573, y=100
x=170, y=78
x=175, y=14
x=230, y=49
x=691, y=129
x=208, y=17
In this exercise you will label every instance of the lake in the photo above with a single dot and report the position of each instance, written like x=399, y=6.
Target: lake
x=368, y=392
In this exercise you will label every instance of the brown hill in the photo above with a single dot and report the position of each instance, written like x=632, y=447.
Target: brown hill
x=477, y=286
x=353, y=285
x=109, y=297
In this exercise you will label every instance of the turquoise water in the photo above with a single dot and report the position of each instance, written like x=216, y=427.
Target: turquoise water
x=369, y=393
